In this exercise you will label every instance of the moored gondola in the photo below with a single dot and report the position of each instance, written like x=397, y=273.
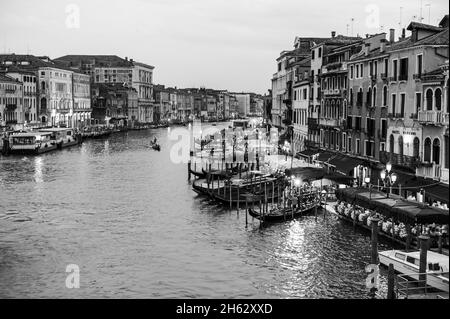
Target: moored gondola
x=282, y=214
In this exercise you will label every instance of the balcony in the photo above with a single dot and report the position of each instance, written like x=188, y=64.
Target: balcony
x=329, y=122
x=417, y=76
x=10, y=90
x=433, y=171
x=11, y=107
x=410, y=162
x=384, y=76
x=436, y=118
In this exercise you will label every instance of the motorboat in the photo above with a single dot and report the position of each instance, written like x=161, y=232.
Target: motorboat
x=32, y=143
x=64, y=137
x=407, y=263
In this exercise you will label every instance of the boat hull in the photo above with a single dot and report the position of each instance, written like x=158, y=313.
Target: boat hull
x=283, y=215
x=433, y=280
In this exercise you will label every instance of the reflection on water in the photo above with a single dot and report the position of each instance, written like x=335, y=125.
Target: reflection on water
x=128, y=217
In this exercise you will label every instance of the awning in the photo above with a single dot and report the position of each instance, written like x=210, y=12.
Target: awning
x=396, y=207
x=339, y=178
x=325, y=156
x=306, y=173
x=307, y=153
x=438, y=192
x=345, y=164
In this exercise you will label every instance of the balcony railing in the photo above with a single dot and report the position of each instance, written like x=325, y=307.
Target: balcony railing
x=433, y=117
x=392, y=78
x=431, y=171
x=417, y=76
x=403, y=77
x=383, y=76
x=329, y=122
x=10, y=90
x=411, y=162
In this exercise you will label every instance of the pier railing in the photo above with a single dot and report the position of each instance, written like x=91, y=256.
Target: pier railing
x=407, y=286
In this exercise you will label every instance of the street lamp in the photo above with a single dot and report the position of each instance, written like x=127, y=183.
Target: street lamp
x=388, y=177
x=367, y=181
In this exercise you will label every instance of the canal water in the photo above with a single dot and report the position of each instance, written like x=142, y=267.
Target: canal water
x=127, y=216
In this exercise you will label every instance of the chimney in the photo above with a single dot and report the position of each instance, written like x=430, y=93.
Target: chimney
x=403, y=33
x=392, y=35
x=126, y=58
x=382, y=45
x=333, y=34
x=366, y=49
x=131, y=60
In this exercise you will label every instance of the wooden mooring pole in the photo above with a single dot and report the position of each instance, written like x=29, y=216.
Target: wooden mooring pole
x=391, y=282
x=423, y=240
x=189, y=170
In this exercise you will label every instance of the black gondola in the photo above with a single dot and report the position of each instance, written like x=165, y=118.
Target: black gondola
x=283, y=214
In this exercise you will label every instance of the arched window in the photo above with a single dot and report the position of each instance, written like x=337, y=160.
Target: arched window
x=429, y=99
x=385, y=95
x=438, y=99
x=427, y=150
x=400, y=148
x=436, y=151
x=391, y=144
x=416, y=147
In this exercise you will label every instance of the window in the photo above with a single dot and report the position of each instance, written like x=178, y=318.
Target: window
x=400, y=148
x=368, y=148
x=437, y=99
x=436, y=151
x=319, y=53
x=349, y=144
x=313, y=52
x=362, y=70
x=394, y=69
x=374, y=99
x=391, y=144
x=375, y=67
x=393, y=103
x=351, y=96
x=386, y=66
x=403, y=69
x=402, y=104
x=418, y=102
x=419, y=65
x=357, y=71
x=416, y=147
x=427, y=150
x=351, y=71
x=429, y=101
x=385, y=95
x=383, y=147
x=383, y=128
x=359, y=97
x=358, y=147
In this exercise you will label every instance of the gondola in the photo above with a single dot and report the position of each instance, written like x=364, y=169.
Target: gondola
x=283, y=214
x=155, y=146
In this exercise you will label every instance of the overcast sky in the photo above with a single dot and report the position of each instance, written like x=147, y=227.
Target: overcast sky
x=222, y=44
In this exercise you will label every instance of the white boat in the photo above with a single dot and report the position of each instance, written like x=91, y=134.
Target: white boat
x=64, y=137
x=408, y=263
x=32, y=143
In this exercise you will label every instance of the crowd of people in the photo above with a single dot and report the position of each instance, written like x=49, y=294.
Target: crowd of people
x=389, y=227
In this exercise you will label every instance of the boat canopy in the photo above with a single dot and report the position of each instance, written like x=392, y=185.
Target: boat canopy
x=395, y=206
